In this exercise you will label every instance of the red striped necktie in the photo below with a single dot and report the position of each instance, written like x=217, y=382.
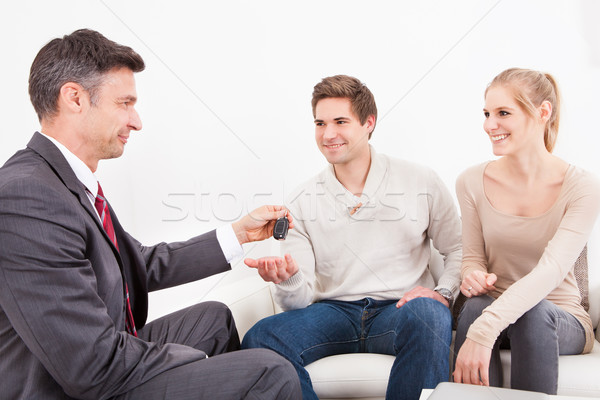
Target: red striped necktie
x=102, y=208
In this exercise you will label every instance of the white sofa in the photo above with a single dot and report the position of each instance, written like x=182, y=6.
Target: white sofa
x=365, y=376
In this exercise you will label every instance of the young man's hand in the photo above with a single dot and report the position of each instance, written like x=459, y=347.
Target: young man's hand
x=421, y=291
x=274, y=269
x=259, y=224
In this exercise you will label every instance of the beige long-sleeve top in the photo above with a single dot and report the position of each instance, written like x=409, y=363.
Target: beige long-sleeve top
x=533, y=257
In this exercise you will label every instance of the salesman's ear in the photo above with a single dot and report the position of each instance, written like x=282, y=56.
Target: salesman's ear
x=72, y=98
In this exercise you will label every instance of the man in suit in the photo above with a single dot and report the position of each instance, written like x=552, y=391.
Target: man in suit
x=74, y=285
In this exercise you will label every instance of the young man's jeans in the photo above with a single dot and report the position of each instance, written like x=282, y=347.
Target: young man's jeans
x=418, y=334
x=536, y=340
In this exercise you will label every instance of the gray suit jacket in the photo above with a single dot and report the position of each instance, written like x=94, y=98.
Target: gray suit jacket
x=62, y=321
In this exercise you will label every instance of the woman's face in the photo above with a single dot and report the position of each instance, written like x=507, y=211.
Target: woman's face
x=509, y=128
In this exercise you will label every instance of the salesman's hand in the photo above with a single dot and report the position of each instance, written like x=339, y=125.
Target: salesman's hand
x=259, y=224
x=478, y=283
x=421, y=291
x=274, y=269
x=473, y=364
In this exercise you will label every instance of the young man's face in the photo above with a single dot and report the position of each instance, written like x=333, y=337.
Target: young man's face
x=111, y=119
x=338, y=132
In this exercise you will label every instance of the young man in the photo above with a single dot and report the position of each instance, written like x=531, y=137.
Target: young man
x=355, y=274
x=74, y=285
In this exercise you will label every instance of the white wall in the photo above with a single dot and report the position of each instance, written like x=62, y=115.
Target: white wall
x=225, y=98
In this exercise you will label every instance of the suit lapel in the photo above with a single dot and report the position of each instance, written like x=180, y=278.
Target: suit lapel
x=127, y=258
x=63, y=170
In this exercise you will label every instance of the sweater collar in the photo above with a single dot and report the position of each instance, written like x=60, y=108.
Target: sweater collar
x=374, y=181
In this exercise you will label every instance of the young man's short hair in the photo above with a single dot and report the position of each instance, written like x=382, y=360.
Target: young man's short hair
x=344, y=86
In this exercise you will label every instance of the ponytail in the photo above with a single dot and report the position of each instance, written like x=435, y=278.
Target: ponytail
x=551, y=130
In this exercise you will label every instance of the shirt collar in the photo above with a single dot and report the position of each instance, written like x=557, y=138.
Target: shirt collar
x=82, y=171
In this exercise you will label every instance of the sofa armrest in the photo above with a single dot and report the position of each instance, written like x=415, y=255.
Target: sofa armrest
x=249, y=300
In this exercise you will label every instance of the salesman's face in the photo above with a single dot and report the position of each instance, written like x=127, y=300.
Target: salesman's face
x=113, y=116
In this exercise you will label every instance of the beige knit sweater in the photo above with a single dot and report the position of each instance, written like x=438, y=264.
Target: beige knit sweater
x=533, y=257
x=382, y=250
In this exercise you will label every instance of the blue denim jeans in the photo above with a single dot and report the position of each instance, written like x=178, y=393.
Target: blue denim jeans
x=536, y=340
x=418, y=334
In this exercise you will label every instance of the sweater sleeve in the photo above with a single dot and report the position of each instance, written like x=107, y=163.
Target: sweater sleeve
x=444, y=231
x=473, y=247
x=552, y=268
x=298, y=291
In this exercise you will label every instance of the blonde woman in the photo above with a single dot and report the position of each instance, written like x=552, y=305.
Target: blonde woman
x=526, y=218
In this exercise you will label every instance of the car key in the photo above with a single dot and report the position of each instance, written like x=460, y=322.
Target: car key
x=281, y=228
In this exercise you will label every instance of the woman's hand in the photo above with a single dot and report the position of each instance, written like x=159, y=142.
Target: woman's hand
x=478, y=283
x=473, y=364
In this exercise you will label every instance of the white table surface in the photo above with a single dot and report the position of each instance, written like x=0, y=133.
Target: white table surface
x=425, y=393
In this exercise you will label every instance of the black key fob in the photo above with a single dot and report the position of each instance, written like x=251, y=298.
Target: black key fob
x=281, y=228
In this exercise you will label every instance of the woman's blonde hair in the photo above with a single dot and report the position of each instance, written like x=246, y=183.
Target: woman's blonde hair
x=530, y=89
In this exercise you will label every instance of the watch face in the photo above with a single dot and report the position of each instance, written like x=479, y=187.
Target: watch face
x=445, y=294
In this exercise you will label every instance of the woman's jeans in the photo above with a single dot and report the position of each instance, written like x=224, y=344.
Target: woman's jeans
x=418, y=334
x=536, y=340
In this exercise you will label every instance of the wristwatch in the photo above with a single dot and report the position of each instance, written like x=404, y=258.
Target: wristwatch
x=447, y=294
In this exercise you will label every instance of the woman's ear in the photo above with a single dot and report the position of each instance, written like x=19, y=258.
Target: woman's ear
x=545, y=111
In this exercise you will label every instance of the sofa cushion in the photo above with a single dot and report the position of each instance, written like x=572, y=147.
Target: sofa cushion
x=360, y=375
x=574, y=373
x=363, y=375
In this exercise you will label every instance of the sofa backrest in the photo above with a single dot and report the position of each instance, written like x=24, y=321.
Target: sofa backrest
x=249, y=299
x=594, y=275
x=436, y=264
